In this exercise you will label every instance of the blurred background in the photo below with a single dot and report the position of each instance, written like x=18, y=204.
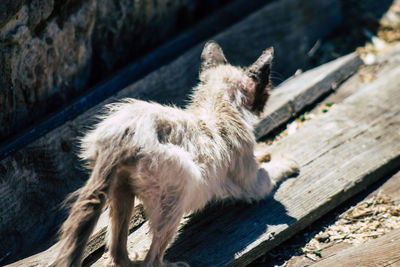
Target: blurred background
x=60, y=58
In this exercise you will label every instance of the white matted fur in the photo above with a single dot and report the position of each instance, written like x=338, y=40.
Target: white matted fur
x=174, y=160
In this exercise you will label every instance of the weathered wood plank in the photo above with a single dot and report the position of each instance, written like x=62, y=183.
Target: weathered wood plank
x=299, y=92
x=383, y=251
x=214, y=23
x=97, y=240
x=47, y=169
x=350, y=63
x=390, y=188
x=353, y=84
x=366, y=74
x=309, y=18
x=340, y=153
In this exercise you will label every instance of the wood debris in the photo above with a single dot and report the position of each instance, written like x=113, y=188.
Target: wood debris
x=294, y=125
x=368, y=220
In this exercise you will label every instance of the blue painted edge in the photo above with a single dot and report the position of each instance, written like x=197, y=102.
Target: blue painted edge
x=226, y=16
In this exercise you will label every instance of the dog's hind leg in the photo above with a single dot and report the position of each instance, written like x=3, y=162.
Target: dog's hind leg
x=164, y=230
x=165, y=213
x=121, y=206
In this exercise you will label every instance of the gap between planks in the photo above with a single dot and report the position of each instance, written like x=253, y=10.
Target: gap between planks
x=323, y=78
x=212, y=24
x=341, y=152
x=298, y=93
x=383, y=251
x=389, y=187
x=321, y=81
x=176, y=81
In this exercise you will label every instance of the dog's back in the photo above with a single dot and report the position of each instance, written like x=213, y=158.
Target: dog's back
x=174, y=160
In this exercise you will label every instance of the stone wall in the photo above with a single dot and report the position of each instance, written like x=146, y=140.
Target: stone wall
x=36, y=178
x=51, y=50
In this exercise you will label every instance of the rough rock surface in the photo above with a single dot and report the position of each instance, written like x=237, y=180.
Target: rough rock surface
x=36, y=178
x=45, y=60
x=50, y=49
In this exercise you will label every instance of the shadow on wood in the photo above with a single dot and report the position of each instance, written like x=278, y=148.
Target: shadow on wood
x=220, y=225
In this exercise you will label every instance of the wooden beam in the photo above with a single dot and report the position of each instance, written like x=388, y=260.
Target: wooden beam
x=294, y=24
x=389, y=188
x=302, y=91
x=340, y=153
x=46, y=170
x=98, y=239
x=383, y=251
x=214, y=23
x=333, y=69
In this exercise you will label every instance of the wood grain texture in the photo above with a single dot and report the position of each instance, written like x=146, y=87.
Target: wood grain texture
x=342, y=152
x=390, y=187
x=98, y=238
x=299, y=92
x=383, y=251
x=45, y=181
x=214, y=23
x=96, y=242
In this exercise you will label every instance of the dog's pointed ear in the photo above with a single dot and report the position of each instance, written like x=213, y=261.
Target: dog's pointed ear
x=212, y=56
x=259, y=72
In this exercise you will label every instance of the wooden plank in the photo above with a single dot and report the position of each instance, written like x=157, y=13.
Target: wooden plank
x=366, y=74
x=383, y=251
x=350, y=63
x=96, y=243
x=321, y=79
x=302, y=27
x=340, y=153
x=46, y=170
x=298, y=93
x=214, y=23
x=390, y=187
x=98, y=238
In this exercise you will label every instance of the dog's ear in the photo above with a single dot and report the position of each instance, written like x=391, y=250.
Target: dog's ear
x=212, y=56
x=259, y=73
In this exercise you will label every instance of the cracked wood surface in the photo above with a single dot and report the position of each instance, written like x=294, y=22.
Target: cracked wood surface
x=47, y=169
x=323, y=75
x=340, y=153
x=302, y=91
x=388, y=187
x=383, y=251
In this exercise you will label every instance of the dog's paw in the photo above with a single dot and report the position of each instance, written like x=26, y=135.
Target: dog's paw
x=289, y=166
x=111, y=262
x=281, y=167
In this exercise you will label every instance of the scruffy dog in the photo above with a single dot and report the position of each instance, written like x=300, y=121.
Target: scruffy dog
x=174, y=160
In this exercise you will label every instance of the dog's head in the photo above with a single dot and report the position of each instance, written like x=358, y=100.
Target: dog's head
x=248, y=87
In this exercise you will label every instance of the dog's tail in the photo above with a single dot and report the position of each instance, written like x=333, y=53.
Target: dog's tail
x=85, y=212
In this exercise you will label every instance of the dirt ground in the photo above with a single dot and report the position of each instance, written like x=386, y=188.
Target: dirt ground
x=370, y=27
x=367, y=216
